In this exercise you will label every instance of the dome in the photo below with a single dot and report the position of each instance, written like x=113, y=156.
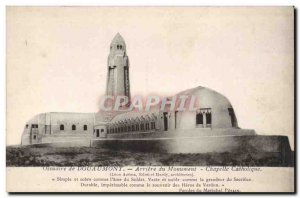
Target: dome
x=208, y=101
x=207, y=97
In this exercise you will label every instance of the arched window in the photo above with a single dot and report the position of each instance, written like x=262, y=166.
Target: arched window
x=133, y=128
x=62, y=127
x=142, y=126
x=199, y=118
x=232, y=117
x=73, y=127
x=117, y=46
x=120, y=46
x=85, y=127
x=208, y=118
x=152, y=125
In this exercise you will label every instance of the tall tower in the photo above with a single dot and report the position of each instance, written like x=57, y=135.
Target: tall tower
x=118, y=69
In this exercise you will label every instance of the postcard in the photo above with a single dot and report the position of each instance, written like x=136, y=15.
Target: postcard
x=150, y=99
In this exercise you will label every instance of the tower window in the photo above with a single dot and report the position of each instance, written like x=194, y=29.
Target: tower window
x=62, y=127
x=120, y=46
x=85, y=127
x=73, y=127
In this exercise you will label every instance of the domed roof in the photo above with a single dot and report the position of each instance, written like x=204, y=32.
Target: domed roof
x=207, y=97
x=222, y=113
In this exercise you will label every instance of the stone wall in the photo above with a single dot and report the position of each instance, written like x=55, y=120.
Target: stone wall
x=252, y=144
x=47, y=127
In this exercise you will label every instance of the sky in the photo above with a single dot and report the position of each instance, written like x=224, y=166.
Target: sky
x=57, y=59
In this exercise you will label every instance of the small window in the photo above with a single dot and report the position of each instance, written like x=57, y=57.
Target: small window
x=208, y=118
x=73, y=127
x=26, y=126
x=232, y=117
x=34, y=137
x=117, y=46
x=62, y=127
x=199, y=118
x=152, y=125
x=120, y=46
x=102, y=130
x=84, y=127
x=142, y=126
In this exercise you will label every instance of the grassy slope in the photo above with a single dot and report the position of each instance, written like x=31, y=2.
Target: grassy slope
x=85, y=156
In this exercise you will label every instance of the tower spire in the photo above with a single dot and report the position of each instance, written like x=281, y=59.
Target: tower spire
x=118, y=69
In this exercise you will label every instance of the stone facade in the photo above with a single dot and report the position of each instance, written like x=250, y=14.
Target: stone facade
x=214, y=115
x=53, y=127
x=118, y=69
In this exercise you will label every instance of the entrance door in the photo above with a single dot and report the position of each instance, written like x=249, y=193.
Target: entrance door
x=165, y=121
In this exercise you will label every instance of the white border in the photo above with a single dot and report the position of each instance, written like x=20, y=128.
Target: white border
x=4, y=3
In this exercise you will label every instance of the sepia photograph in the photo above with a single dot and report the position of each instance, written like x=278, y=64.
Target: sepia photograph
x=150, y=99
